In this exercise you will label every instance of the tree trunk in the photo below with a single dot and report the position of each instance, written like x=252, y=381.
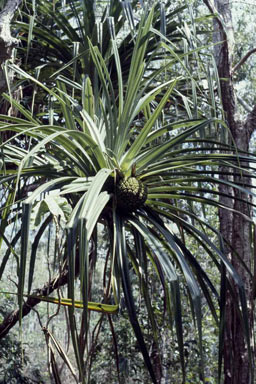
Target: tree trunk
x=234, y=227
x=7, y=42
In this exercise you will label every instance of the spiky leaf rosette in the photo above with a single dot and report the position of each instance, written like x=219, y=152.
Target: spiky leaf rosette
x=131, y=194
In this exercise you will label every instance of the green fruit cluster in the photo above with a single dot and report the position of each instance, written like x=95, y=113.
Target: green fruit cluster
x=131, y=194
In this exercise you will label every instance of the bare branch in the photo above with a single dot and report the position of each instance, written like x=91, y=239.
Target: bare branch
x=243, y=60
x=215, y=12
x=55, y=283
x=250, y=124
x=244, y=104
x=11, y=319
x=7, y=42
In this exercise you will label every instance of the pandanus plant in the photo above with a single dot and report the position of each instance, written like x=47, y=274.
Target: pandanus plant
x=118, y=158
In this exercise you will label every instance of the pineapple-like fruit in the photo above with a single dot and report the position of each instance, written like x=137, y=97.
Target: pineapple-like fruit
x=131, y=194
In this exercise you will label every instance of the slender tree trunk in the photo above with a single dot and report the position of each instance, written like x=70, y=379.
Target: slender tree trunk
x=235, y=228
x=156, y=359
x=242, y=244
x=7, y=41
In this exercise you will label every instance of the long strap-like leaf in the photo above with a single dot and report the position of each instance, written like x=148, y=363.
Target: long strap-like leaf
x=92, y=306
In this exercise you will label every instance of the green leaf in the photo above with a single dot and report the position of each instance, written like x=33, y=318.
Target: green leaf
x=26, y=210
x=34, y=249
x=88, y=98
x=141, y=138
x=122, y=255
